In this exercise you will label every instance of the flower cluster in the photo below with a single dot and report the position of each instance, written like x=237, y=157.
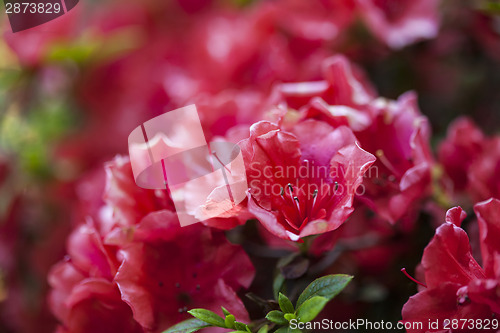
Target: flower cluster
x=130, y=259
x=344, y=175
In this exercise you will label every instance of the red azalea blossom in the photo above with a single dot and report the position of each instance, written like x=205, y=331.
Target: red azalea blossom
x=132, y=260
x=471, y=161
x=457, y=287
x=399, y=136
x=395, y=131
x=461, y=147
x=172, y=269
x=302, y=182
x=83, y=295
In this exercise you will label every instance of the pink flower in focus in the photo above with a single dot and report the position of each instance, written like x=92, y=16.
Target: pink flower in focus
x=457, y=287
x=302, y=182
x=401, y=22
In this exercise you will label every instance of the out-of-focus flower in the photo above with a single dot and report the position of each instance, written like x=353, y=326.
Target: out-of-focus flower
x=459, y=150
x=401, y=22
x=31, y=46
x=126, y=203
x=302, y=181
x=336, y=99
x=132, y=260
x=483, y=174
x=170, y=269
x=456, y=286
x=84, y=297
x=399, y=136
x=471, y=161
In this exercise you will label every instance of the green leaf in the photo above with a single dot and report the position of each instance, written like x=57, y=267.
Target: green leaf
x=277, y=317
x=187, y=326
x=225, y=312
x=285, y=305
x=208, y=316
x=229, y=321
x=287, y=330
x=240, y=326
x=278, y=284
x=311, y=308
x=263, y=329
x=290, y=316
x=327, y=286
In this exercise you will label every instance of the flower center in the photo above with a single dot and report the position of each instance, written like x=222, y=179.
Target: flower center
x=298, y=204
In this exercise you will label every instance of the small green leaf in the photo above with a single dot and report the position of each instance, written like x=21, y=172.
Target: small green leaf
x=240, y=326
x=287, y=330
x=238, y=332
x=263, y=329
x=225, y=312
x=278, y=284
x=229, y=321
x=311, y=308
x=290, y=316
x=208, y=316
x=277, y=317
x=187, y=326
x=327, y=286
x=285, y=305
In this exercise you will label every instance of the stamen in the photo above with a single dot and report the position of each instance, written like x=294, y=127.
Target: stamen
x=385, y=161
x=336, y=186
x=297, y=205
x=290, y=187
x=282, y=191
x=222, y=164
x=315, y=196
x=411, y=278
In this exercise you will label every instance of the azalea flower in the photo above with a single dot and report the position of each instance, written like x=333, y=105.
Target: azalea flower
x=170, y=269
x=394, y=131
x=471, y=161
x=454, y=285
x=130, y=259
x=303, y=181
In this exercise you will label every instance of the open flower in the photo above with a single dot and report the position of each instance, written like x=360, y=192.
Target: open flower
x=399, y=136
x=394, y=131
x=84, y=297
x=456, y=286
x=170, y=269
x=131, y=267
x=302, y=182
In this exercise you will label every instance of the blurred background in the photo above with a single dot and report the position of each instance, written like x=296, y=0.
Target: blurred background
x=72, y=90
